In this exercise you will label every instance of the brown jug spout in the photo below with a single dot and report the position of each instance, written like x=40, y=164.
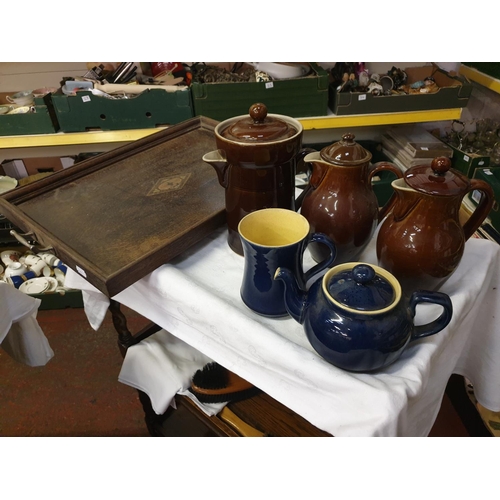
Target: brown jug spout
x=219, y=161
x=320, y=168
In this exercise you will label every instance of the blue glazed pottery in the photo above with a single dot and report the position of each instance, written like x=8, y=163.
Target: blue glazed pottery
x=356, y=316
x=274, y=237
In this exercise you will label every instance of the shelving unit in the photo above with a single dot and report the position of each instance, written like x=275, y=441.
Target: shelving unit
x=369, y=120
x=481, y=78
x=67, y=144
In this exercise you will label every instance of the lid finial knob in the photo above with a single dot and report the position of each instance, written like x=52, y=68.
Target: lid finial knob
x=363, y=273
x=440, y=165
x=348, y=138
x=258, y=112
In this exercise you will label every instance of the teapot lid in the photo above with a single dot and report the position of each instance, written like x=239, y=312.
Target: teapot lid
x=259, y=127
x=438, y=178
x=362, y=288
x=346, y=152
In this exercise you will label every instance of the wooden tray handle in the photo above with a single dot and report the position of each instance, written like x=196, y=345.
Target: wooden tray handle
x=236, y=423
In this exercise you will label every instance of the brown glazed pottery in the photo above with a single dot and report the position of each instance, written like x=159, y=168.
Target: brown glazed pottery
x=422, y=239
x=256, y=164
x=340, y=201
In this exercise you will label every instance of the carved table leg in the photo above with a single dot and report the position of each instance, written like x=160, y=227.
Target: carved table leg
x=125, y=338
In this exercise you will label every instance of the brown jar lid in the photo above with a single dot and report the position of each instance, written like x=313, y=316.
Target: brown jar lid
x=346, y=152
x=438, y=178
x=259, y=127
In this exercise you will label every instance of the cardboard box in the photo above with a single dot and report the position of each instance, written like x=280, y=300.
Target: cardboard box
x=492, y=177
x=25, y=167
x=295, y=97
x=15, y=168
x=454, y=92
x=150, y=109
x=41, y=165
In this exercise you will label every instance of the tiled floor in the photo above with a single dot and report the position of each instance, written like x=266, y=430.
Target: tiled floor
x=77, y=393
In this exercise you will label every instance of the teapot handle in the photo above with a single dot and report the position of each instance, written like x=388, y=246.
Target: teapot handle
x=385, y=166
x=424, y=296
x=483, y=208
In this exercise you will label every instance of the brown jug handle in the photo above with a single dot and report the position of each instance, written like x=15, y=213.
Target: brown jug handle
x=303, y=166
x=385, y=166
x=483, y=208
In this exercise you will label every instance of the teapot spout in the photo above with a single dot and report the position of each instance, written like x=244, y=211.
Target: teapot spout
x=295, y=298
x=219, y=161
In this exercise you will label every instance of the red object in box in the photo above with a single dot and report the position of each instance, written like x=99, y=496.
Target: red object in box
x=165, y=67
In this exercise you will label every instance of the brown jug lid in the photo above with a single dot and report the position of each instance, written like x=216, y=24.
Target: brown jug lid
x=259, y=127
x=346, y=152
x=438, y=178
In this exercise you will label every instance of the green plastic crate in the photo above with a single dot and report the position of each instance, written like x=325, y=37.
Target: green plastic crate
x=295, y=97
x=492, y=177
x=72, y=298
x=40, y=122
x=150, y=109
x=454, y=92
x=467, y=163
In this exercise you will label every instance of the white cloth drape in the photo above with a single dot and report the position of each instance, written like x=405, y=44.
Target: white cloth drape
x=195, y=297
x=20, y=333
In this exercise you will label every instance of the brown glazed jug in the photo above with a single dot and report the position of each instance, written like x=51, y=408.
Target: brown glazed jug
x=256, y=163
x=340, y=201
x=422, y=239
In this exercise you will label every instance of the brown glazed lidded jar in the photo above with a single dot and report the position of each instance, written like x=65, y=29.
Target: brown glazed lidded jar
x=256, y=163
x=340, y=201
x=422, y=240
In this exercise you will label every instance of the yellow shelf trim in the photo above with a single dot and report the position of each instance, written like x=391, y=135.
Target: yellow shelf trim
x=313, y=123
x=374, y=119
x=481, y=78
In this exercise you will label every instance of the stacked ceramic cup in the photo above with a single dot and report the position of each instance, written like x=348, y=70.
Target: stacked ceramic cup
x=33, y=273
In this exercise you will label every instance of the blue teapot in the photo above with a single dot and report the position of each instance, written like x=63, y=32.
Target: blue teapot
x=356, y=316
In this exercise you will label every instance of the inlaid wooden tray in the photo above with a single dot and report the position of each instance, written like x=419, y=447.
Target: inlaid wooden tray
x=118, y=216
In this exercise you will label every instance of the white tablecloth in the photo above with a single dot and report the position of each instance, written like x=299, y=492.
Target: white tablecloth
x=196, y=298
x=20, y=333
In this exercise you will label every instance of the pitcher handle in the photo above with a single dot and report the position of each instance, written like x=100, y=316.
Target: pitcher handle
x=307, y=167
x=300, y=160
x=439, y=298
x=483, y=208
x=321, y=238
x=385, y=166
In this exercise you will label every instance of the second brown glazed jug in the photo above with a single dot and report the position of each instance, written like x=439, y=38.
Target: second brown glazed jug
x=340, y=201
x=256, y=163
x=422, y=240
